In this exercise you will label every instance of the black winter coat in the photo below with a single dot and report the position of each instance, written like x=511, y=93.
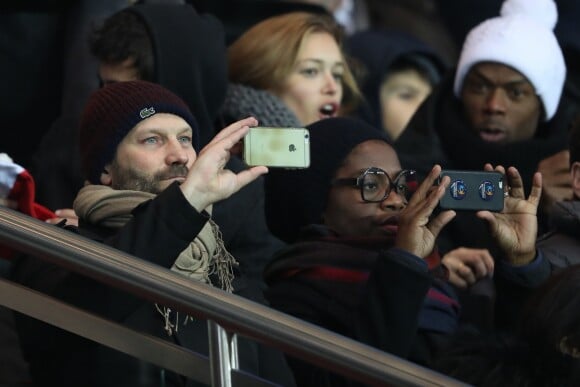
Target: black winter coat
x=386, y=298
x=159, y=231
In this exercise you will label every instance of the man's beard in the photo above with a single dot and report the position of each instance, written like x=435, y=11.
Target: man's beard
x=130, y=179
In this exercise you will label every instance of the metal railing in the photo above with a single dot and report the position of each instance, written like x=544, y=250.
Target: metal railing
x=235, y=314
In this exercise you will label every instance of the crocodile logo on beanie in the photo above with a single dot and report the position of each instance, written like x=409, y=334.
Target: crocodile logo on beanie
x=147, y=112
x=522, y=37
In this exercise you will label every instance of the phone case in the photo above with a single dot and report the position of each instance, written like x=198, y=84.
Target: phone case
x=277, y=147
x=473, y=190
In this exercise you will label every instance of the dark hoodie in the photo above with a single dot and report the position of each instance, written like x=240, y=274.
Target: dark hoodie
x=376, y=51
x=190, y=58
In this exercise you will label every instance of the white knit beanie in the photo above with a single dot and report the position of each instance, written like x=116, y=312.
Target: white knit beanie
x=522, y=38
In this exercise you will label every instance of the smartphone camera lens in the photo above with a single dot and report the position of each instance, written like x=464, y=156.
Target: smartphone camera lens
x=306, y=136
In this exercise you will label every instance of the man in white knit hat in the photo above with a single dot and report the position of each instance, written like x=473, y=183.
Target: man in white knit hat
x=505, y=104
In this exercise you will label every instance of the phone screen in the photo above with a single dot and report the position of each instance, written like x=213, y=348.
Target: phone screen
x=473, y=190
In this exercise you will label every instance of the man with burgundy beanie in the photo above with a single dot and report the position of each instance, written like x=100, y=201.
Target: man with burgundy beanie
x=149, y=193
x=172, y=45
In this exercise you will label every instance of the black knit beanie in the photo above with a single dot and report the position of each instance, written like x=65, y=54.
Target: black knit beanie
x=112, y=111
x=297, y=197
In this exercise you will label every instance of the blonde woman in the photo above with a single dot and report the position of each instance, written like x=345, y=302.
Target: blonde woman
x=290, y=70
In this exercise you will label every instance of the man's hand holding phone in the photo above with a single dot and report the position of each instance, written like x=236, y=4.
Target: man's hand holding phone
x=516, y=226
x=418, y=230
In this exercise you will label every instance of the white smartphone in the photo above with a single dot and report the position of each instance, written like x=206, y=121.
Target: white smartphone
x=277, y=147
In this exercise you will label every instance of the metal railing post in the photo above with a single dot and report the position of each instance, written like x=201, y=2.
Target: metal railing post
x=220, y=355
x=233, y=340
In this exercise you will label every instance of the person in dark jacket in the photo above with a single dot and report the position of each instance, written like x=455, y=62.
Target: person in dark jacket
x=363, y=260
x=506, y=103
x=561, y=245
x=543, y=351
x=398, y=73
x=150, y=191
x=173, y=45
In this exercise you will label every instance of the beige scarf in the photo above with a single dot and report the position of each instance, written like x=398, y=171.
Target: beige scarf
x=206, y=254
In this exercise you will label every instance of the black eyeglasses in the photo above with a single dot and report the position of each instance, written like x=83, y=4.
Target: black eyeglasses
x=376, y=185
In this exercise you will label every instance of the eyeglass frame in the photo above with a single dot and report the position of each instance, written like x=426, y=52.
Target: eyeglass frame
x=357, y=182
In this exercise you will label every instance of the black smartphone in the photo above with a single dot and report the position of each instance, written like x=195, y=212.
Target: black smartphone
x=473, y=191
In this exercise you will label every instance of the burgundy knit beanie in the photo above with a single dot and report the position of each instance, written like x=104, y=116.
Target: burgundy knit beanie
x=112, y=111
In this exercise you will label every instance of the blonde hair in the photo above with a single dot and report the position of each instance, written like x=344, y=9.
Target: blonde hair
x=265, y=55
